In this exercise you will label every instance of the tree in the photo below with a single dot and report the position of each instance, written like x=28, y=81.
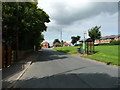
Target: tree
x=23, y=22
x=62, y=42
x=89, y=40
x=56, y=41
x=75, y=39
x=94, y=33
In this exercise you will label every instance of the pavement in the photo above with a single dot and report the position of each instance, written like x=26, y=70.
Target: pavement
x=54, y=69
x=13, y=73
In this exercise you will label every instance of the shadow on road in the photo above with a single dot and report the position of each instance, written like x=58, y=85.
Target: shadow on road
x=48, y=55
x=70, y=80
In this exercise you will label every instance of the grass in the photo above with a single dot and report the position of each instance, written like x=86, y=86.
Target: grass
x=105, y=53
x=68, y=50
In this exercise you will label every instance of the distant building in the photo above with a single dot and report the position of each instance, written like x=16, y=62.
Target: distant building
x=45, y=44
x=57, y=44
x=66, y=44
x=107, y=39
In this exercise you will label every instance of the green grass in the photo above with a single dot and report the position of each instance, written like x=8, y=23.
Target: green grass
x=105, y=53
x=68, y=50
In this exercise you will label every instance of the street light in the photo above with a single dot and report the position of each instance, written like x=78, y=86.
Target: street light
x=84, y=43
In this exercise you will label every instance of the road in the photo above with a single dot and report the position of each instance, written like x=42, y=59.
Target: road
x=54, y=69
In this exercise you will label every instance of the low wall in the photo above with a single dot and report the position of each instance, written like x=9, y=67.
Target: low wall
x=0, y=57
x=23, y=54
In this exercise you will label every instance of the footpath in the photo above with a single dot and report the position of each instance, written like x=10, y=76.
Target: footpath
x=13, y=73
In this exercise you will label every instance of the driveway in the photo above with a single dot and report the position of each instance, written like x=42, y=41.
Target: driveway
x=54, y=69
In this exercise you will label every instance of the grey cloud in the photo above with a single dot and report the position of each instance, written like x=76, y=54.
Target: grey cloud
x=66, y=17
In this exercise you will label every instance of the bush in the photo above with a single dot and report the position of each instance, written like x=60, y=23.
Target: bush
x=104, y=44
x=78, y=44
x=114, y=42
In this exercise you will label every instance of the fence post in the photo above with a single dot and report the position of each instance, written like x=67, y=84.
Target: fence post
x=9, y=55
x=3, y=56
x=0, y=56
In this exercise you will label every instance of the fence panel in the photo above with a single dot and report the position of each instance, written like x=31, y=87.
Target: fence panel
x=6, y=56
x=0, y=56
x=9, y=55
x=3, y=56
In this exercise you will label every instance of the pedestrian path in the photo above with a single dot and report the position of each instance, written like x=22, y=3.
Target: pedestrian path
x=11, y=74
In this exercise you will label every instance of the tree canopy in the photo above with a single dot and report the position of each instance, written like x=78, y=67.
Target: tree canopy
x=94, y=33
x=56, y=41
x=25, y=21
x=75, y=39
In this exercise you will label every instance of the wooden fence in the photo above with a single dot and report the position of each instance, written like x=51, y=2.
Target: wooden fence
x=0, y=56
x=6, y=56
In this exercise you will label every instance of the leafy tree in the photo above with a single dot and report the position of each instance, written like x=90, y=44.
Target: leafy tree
x=89, y=40
x=63, y=41
x=23, y=23
x=94, y=33
x=75, y=39
x=56, y=41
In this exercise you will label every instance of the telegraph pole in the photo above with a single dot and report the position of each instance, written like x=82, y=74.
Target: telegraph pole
x=60, y=30
x=61, y=34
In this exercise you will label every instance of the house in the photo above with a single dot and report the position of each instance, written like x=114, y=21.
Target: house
x=57, y=44
x=107, y=39
x=66, y=44
x=45, y=44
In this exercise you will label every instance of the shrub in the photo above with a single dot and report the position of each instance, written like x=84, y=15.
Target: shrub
x=114, y=42
x=78, y=44
x=104, y=44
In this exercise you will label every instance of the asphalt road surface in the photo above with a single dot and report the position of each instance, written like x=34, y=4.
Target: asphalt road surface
x=54, y=69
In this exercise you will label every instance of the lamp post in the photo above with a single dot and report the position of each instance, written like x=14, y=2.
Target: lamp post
x=84, y=43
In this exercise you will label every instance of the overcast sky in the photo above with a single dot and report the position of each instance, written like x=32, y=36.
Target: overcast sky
x=74, y=17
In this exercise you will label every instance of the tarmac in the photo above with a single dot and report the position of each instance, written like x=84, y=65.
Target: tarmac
x=12, y=74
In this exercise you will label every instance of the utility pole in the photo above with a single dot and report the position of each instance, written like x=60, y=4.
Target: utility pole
x=61, y=37
x=61, y=34
x=60, y=30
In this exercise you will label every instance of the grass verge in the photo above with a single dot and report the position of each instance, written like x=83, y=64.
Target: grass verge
x=68, y=50
x=105, y=53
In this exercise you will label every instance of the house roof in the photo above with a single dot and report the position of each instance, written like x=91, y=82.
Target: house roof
x=66, y=44
x=110, y=37
x=45, y=42
x=106, y=37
